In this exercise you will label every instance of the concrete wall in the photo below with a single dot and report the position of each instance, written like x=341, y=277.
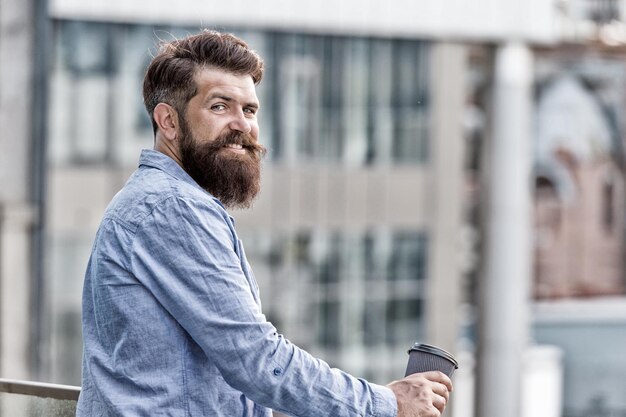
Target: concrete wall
x=532, y=20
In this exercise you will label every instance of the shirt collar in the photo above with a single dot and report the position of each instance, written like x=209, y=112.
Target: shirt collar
x=158, y=160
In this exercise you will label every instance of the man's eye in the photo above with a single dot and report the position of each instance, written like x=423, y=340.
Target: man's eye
x=250, y=110
x=218, y=107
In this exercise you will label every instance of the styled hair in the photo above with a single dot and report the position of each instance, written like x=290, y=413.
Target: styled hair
x=170, y=75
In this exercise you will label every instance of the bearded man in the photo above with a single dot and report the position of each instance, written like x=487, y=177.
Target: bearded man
x=172, y=323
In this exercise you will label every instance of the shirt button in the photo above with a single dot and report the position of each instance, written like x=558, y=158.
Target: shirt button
x=278, y=371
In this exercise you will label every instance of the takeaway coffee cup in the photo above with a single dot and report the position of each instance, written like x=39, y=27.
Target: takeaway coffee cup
x=424, y=358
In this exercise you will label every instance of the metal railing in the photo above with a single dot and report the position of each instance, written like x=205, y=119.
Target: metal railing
x=40, y=389
x=37, y=399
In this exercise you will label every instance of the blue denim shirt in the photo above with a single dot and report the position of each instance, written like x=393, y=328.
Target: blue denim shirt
x=172, y=322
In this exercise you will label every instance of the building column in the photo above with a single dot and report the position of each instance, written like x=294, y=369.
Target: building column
x=443, y=299
x=16, y=209
x=504, y=288
x=448, y=75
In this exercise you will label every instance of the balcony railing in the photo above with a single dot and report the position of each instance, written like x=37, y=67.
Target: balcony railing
x=37, y=399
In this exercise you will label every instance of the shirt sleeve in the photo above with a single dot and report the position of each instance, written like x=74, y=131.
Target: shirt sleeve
x=184, y=254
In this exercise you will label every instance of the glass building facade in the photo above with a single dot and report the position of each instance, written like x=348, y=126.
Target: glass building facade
x=326, y=99
x=332, y=104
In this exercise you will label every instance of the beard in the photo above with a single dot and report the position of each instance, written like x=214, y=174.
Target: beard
x=233, y=178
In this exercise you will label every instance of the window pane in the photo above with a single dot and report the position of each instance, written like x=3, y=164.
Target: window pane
x=408, y=261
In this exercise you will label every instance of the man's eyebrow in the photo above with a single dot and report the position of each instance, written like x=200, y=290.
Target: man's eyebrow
x=228, y=99
x=220, y=96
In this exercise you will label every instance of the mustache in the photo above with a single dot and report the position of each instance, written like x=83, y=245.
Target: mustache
x=238, y=138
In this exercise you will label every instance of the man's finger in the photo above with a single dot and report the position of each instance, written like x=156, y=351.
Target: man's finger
x=440, y=377
x=441, y=389
x=440, y=403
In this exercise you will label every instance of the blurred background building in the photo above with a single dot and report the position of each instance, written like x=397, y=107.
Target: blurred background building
x=447, y=172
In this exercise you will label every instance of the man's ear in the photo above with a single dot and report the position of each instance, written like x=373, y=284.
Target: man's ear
x=166, y=118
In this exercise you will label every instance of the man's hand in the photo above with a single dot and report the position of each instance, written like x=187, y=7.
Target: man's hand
x=422, y=395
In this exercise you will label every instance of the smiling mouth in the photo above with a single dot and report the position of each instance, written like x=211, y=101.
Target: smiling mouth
x=234, y=147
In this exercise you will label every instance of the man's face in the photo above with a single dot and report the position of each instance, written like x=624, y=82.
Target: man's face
x=218, y=137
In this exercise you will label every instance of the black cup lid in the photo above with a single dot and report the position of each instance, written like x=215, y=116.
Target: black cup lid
x=423, y=347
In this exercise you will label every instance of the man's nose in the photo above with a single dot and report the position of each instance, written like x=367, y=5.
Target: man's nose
x=241, y=123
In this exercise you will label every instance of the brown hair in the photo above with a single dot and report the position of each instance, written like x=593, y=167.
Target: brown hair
x=170, y=75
